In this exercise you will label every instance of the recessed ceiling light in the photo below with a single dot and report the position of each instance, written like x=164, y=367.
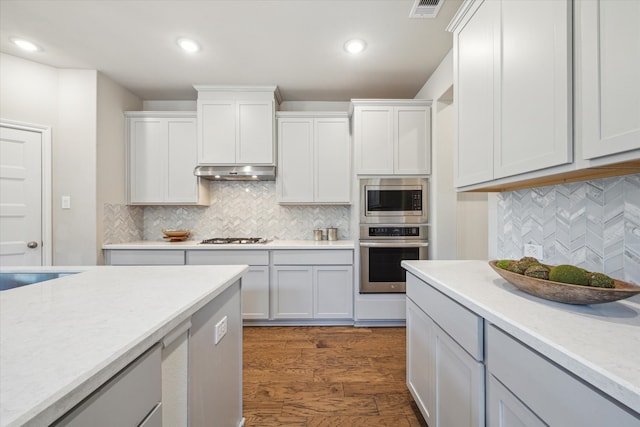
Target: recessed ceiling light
x=24, y=44
x=355, y=46
x=188, y=45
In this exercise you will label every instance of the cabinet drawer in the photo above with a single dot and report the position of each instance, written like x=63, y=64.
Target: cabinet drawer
x=313, y=257
x=148, y=257
x=226, y=257
x=125, y=400
x=553, y=394
x=463, y=325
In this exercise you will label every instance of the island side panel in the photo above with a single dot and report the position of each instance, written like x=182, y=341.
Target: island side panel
x=215, y=370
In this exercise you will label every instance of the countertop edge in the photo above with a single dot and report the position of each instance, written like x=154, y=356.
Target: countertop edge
x=196, y=245
x=608, y=383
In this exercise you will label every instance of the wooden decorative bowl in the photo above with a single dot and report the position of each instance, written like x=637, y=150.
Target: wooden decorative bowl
x=176, y=233
x=564, y=292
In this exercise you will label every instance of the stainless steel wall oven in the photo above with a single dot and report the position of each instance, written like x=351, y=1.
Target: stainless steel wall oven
x=382, y=249
x=393, y=228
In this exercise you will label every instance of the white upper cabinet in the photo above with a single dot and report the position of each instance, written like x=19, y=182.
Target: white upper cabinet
x=608, y=66
x=162, y=153
x=392, y=136
x=314, y=158
x=512, y=74
x=236, y=125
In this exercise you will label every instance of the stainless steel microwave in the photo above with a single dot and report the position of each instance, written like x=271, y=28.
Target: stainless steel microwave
x=394, y=200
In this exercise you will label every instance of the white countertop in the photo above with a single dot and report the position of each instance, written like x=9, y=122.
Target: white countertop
x=273, y=244
x=599, y=343
x=62, y=339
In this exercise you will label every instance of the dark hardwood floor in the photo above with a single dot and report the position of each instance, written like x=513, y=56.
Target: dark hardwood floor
x=331, y=376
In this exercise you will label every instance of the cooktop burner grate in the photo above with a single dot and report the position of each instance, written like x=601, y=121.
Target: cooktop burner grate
x=233, y=240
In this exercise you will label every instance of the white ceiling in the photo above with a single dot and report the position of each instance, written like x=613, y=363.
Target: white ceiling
x=295, y=44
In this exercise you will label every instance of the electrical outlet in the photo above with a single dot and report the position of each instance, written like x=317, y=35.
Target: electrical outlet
x=533, y=251
x=221, y=330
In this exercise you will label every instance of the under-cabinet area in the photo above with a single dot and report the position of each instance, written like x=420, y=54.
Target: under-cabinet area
x=482, y=353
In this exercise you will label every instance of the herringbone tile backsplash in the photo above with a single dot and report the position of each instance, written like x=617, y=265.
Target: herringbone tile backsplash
x=594, y=224
x=239, y=209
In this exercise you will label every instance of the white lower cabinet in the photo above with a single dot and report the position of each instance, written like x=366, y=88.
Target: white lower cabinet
x=255, y=283
x=546, y=390
x=505, y=410
x=445, y=381
x=309, y=284
x=143, y=257
x=131, y=398
x=279, y=285
x=292, y=292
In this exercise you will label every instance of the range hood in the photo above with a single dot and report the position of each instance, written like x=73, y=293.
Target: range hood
x=236, y=173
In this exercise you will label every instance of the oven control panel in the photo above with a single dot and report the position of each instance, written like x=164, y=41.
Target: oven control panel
x=395, y=232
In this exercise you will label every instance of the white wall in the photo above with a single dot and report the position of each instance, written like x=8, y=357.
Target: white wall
x=67, y=101
x=459, y=220
x=28, y=92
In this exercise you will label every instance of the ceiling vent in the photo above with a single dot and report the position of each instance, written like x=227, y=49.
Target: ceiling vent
x=425, y=8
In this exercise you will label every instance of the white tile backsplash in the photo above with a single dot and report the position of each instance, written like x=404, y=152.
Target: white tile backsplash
x=241, y=209
x=592, y=224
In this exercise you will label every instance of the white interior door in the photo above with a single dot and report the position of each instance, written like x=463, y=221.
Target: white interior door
x=21, y=233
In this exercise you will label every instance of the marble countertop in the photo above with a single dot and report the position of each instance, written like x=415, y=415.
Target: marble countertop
x=273, y=244
x=599, y=343
x=61, y=339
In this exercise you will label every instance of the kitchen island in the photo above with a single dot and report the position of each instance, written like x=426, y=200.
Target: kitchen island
x=63, y=339
x=540, y=362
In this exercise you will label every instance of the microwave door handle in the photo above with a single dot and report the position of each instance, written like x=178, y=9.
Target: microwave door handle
x=394, y=244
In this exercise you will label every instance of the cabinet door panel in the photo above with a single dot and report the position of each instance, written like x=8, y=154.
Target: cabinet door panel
x=295, y=168
x=333, y=292
x=412, y=148
x=459, y=385
x=255, y=133
x=292, y=292
x=148, y=160
x=421, y=361
x=182, y=187
x=477, y=50
x=217, y=125
x=505, y=410
x=332, y=164
x=610, y=66
x=374, y=140
x=535, y=87
x=255, y=293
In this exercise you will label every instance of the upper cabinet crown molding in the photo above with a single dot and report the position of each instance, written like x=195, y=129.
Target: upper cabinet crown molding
x=242, y=91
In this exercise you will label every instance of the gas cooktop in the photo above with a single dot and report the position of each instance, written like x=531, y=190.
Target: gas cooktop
x=233, y=240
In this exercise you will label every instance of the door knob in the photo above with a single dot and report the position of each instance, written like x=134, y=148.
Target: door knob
x=32, y=244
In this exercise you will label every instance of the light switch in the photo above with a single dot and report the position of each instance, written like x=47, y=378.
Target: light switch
x=66, y=202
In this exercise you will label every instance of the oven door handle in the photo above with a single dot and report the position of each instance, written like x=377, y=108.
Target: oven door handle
x=394, y=244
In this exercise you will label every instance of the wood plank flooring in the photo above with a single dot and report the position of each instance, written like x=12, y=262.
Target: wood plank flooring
x=333, y=376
